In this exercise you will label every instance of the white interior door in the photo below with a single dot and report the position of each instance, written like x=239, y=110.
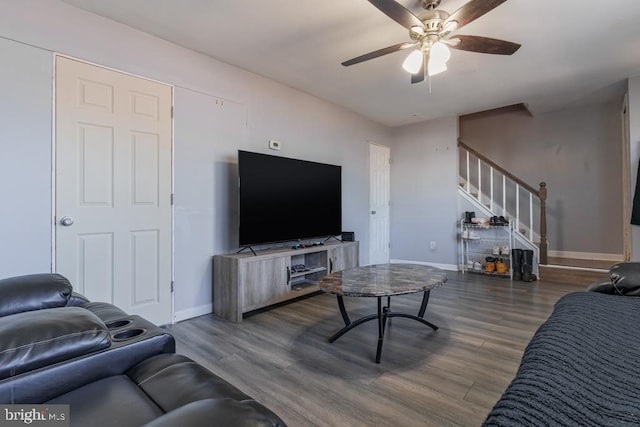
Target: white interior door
x=113, y=187
x=379, y=190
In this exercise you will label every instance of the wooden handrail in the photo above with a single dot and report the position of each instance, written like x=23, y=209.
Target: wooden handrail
x=540, y=194
x=499, y=168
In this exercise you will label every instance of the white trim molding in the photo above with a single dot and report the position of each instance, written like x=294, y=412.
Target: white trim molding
x=190, y=313
x=450, y=267
x=568, y=267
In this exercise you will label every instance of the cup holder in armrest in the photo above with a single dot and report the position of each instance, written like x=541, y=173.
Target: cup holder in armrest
x=117, y=324
x=128, y=334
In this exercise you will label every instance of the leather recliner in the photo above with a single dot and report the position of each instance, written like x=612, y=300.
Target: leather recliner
x=624, y=279
x=56, y=347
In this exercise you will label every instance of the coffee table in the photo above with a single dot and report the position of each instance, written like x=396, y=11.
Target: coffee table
x=382, y=280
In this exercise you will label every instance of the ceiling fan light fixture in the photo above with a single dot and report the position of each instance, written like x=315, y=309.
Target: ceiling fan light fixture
x=413, y=62
x=439, y=53
x=436, y=67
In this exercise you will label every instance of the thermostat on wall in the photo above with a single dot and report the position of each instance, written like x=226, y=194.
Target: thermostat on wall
x=274, y=145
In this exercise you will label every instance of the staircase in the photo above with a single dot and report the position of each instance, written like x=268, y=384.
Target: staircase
x=494, y=191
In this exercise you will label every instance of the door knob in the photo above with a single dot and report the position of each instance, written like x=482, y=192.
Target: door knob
x=66, y=221
x=373, y=212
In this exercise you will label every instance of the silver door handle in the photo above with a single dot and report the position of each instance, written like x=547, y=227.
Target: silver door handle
x=373, y=212
x=66, y=221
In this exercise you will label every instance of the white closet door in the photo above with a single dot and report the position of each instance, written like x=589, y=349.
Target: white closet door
x=379, y=172
x=113, y=187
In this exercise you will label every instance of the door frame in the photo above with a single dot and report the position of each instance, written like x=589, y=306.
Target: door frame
x=54, y=144
x=626, y=180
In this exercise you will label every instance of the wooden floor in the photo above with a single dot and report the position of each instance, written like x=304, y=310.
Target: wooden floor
x=450, y=377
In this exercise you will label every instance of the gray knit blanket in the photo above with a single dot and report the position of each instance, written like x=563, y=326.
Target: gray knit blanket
x=581, y=368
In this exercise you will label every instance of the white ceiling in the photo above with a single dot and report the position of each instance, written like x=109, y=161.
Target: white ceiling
x=570, y=49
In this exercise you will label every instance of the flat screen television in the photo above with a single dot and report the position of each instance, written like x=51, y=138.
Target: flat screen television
x=283, y=199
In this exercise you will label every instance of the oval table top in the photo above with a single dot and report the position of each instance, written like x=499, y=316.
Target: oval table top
x=383, y=280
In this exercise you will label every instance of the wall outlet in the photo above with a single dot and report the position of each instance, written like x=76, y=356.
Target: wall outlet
x=433, y=245
x=274, y=145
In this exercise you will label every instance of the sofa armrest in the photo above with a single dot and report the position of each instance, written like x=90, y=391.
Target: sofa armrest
x=159, y=376
x=625, y=278
x=29, y=341
x=105, y=311
x=43, y=384
x=33, y=292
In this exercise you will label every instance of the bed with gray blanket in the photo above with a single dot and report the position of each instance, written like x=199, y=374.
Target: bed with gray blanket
x=581, y=368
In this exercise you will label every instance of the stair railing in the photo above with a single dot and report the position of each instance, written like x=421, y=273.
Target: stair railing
x=469, y=155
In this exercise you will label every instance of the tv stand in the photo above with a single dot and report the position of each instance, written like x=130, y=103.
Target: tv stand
x=243, y=282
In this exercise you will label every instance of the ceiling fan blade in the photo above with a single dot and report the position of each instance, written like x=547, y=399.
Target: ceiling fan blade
x=472, y=11
x=378, y=53
x=420, y=75
x=483, y=45
x=398, y=13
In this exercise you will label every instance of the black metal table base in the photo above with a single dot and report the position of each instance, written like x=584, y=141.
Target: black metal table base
x=382, y=315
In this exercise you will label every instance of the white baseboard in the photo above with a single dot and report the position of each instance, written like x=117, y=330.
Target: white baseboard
x=190, y=313
x=450, y=267
x=586, y=255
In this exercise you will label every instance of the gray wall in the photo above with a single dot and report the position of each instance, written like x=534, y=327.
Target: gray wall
x=25, y=159
x=424, y=206
x=207, y=136
x=577, y=152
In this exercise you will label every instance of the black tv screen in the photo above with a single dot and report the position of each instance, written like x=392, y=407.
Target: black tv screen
x=283, y=199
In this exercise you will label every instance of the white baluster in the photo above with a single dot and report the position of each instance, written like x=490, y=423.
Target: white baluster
x=491, y=189
x=479, y=181
x=531, y=216
x=468, y=174
x=518, y=207
x=504, y=196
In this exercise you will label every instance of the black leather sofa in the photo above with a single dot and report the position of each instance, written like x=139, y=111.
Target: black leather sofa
x=582, y=366
x=113, y=369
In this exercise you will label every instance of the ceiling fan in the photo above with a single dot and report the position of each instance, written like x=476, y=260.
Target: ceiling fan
x=430, y=33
